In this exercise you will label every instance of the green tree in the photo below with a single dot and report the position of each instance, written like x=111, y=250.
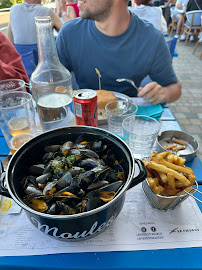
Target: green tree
x=9, y=3
x=5, y=4
x=16, y=1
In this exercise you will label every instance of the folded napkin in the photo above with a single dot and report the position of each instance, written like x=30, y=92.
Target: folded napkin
x=154, y=111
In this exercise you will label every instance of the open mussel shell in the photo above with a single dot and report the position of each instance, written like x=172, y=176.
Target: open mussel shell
x=38, y=205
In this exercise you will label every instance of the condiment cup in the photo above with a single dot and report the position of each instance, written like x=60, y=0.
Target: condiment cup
x=117, y=111
x=17, y=118
x=140, y=133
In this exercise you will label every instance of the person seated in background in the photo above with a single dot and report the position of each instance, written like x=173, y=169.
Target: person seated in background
x=11, y=66
x=179, y=12
x=22, y=28
x=151, y=14
x=67, y=10
x=166, y=5
x=192, y=5
x=107, y=36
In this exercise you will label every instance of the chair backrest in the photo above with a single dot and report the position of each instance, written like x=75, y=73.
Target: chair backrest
x=174, y=19
x=29, y=54
x=194, y=17
x=171, y=45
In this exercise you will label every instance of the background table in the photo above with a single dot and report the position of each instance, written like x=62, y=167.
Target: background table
x=186, y=258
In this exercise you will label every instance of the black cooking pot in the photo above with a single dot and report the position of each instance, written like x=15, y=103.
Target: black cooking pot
x=78, y=226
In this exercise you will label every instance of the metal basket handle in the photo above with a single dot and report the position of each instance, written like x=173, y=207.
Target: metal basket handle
x=195, y=190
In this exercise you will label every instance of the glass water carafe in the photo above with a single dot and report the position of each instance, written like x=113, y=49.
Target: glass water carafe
x=51, y=82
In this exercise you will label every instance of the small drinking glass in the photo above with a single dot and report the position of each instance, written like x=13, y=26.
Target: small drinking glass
x=140, y=133
x=12, y=85
x=117, y=111
x=17, y=118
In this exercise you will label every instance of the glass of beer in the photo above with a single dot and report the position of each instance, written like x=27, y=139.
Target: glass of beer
x=12, y=85
x=17, y=118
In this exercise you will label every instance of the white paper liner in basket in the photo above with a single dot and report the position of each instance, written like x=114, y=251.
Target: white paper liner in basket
x=164, y=203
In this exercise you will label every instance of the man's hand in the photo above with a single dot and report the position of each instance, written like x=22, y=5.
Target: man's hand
x=153, y=92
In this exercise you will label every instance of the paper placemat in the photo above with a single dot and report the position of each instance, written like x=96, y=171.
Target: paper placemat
x=138, y=227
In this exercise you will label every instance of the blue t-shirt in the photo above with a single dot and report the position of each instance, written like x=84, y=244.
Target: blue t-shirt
x=140, y=51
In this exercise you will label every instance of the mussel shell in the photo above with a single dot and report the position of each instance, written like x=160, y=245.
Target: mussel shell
x=75, y=171
x=32, y=191
x=96, y=146
x=89, y=163
x=111, y=187
x=52, y=148
x=38, y=205
x=89, y=153
x=92, y=203
x=52, y=210
x=72, y=189
x=88, y=177
x=47, y=169
x=97, y=185
x=28, y=180
x=65, y=209
x=75, y=181
x=64, y=181
x=106, y=196
x=58, y=154
x=48, y=156
x=49, y=187
x=42, y=179
x=80, y=139
x=37, y=169
x=113, y=177
x=66, y=147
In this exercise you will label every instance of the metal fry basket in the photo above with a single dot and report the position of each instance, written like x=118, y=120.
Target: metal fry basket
x=164, y=203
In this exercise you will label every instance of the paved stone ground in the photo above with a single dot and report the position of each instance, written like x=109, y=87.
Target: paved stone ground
x=188, y=109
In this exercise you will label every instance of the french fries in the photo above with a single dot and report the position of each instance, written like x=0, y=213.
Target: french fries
x=167, y=175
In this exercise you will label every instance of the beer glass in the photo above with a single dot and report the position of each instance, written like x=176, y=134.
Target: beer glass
x=12, y=85
x=17, y=118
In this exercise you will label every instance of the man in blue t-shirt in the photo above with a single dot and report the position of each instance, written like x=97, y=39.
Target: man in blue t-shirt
x=120, y=45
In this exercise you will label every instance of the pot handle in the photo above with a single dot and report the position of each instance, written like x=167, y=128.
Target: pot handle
x=3, y=189
x=141, y=176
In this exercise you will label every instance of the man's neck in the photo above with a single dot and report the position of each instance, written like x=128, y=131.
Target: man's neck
x=32, y=1
x=116, y=24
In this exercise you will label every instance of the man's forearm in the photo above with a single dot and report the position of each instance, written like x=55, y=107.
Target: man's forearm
x=172, y=92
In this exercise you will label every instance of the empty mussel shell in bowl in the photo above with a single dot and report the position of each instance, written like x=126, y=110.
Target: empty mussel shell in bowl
x=178, y=142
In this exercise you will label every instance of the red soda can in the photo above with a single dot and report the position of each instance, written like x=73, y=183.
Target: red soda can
x=85, y=107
